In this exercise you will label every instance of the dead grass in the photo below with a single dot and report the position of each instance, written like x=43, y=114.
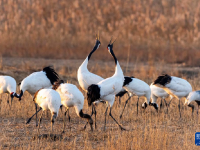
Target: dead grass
x=157, y=30
x=148, y=130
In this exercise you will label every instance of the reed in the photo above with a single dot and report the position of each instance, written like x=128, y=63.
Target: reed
x=159, y=30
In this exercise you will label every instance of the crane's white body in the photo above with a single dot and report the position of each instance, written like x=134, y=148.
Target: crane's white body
x=34, y=82
x=139, y=88
x=7, y=84
x=86, y=78
x=157, y=92
x=178, y=87
x=193, y=96
x=112, y=85
x=174, y=86
x=71, y=96
x=48, y=99
x=107, y=87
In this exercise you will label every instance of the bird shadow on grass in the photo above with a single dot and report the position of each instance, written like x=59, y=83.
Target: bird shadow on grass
x=52, y=137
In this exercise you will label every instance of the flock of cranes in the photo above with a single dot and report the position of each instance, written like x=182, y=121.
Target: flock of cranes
x=51, y=93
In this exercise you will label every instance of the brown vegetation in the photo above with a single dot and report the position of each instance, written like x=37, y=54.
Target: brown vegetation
x=152, y=30
x=148, y=31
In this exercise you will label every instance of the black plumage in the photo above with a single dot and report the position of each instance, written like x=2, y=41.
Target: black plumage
x=154, y=105
x=163, y=80
x=121, y=93
x=93, y=93
x=51, y=74
x=127, y=80
x=57, y=84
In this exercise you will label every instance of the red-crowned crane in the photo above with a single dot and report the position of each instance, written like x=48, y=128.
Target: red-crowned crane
x=193, y=96
x=37, y=81
x=177, y=87
x=109, y=86
x=71, y=96
x=47, y=99
x=139, y=88
x=8, y=85
x=157, y=92
x=86, y=78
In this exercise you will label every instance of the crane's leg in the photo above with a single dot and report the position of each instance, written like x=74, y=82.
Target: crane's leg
x=38, y=132
x=7, y=98
x=192, y=106
x=69, y=118
x=169, y=102
x=166, y=105
x=161, y=104
x=115, y=120
x=33, y=116
x=36, y=114
x=92, y=110
x=119, y=100
x=95, y=115
x=52, y=123
x=68, y=115
x=8, y=101
x=124, y=107
x=64, y=116
x=105, y=118
x=91, y=116
x=179, y=106
x=137, y=104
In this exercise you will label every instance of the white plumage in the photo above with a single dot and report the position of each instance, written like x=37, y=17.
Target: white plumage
x=34, y=82
x=139, y=88
x=37, y=81
x=112, y=85
x=48, y=99
x=86, y=78
x=193, y=96
x=107, y=87
x=177, y=87
x=72, y=97
x=8, y=85
x=157, y=92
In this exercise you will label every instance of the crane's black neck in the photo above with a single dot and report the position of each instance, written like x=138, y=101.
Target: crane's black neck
x=112, y=53
x=19, y=96
x=94, y=49
x=82, y=115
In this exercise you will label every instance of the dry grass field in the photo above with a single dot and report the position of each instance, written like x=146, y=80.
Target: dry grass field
x=148, y=130
x=153, y=37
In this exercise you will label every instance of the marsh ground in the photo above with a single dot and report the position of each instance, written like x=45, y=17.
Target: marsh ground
x=148, y=130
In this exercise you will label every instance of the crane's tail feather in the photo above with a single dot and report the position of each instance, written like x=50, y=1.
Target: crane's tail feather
x=93, y=94
x=51, y=74
x=121, y=93
x=162, y=80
